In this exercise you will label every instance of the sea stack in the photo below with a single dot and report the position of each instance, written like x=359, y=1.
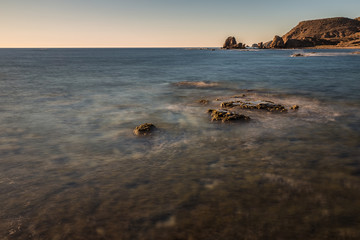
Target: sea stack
x=230, y=43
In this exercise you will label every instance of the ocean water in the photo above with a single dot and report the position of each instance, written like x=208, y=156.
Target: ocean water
x=71, y=167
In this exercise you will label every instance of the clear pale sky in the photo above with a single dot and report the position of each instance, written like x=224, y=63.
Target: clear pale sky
x=156, y=23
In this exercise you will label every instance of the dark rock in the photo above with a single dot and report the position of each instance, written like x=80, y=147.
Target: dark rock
x=297, y=55
x=261, y=105
x=297, y=43
x=260, y=45
x=230, y=43
x=267, y=44
x=277, y=42
x=204, y=101
x=227, y=104
x=255, y=45
x=144, y=129
x=227, y=116
x=239, y=96
x=294, y=107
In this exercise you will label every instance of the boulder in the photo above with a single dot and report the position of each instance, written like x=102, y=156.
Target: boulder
x=277, y=42
x=255, y=45
x=294, y=107
x=144, y=129
x=227, y=116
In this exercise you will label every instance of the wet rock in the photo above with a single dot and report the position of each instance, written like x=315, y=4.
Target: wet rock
x=262, y=105
x=227, y=104
x=277, y=42
x=297, y=55
x=204, y=101
x=355, y=52
x=227, y=116
x=294, y=107
x=238, y=96
x=144, y=129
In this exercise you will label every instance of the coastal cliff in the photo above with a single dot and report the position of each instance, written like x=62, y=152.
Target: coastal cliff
x=342, y=32
x=327, y=32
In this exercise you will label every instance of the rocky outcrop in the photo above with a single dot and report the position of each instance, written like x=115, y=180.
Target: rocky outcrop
x=227, y=116
x=267, y=44
x=261, y=105
x=230, y=43
x=329, y=31
x=255, y=45
x=277, y=42
x=144, y=129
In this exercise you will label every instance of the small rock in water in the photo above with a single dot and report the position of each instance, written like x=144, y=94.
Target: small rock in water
x=204, y=101
x=144, y=129
x=226, y=116
x=297, y=55
x=295, y=107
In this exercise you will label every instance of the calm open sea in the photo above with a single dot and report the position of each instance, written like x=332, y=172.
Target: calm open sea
x=71, y=168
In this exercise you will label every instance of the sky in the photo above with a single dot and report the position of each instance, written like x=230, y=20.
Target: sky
x=156, y=23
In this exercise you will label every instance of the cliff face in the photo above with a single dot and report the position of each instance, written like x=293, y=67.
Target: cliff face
x=340, y=32
x=337, y=32
x=328, y=31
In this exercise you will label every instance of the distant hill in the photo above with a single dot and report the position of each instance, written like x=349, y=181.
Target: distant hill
x=329, y=31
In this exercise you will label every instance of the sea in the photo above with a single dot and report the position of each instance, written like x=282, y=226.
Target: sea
x=71, y=166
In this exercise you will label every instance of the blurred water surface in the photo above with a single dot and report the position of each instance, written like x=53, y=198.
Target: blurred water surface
x=71, y=168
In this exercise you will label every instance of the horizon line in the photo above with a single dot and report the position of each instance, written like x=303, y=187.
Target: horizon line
x=45, y=47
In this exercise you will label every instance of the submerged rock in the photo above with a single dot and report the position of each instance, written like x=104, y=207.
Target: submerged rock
x=262, y=105
x=226, y=116
x=204, y=101
x=144, y=129
x=198, y=84
x=294, y=107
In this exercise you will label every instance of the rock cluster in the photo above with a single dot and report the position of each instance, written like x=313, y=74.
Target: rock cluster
x=144, y=129
x=226, y=116
x=230, y=43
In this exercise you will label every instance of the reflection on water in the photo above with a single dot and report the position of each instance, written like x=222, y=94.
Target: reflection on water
x=71, y=167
